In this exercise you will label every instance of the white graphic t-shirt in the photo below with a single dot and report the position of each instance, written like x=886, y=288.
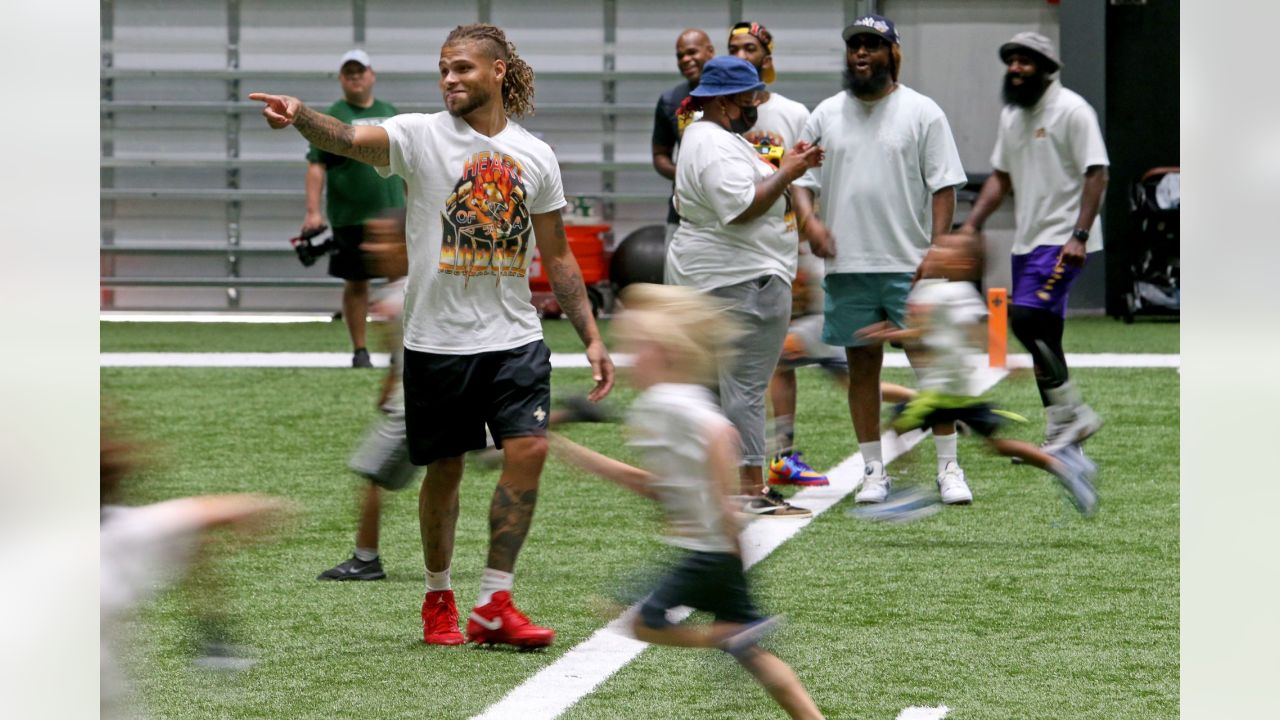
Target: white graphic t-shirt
x=779, y=122
x=471, y=201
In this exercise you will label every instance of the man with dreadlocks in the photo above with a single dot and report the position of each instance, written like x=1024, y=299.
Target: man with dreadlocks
x=480, y=187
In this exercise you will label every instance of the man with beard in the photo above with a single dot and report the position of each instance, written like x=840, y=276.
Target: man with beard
x=693, y=50
x=481, y=190
x=887, y=190
x=1050, y=149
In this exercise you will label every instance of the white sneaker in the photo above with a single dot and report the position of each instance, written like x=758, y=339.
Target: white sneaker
x=875, y=484
x=1083, y=423
x=952, y=487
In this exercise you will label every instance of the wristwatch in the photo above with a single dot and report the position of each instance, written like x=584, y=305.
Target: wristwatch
x=1081, y=235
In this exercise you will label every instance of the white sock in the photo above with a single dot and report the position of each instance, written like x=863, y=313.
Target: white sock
x=871, y=452
x=492, y=581
x=946, y=447
x=438, y=581
x=366, y=554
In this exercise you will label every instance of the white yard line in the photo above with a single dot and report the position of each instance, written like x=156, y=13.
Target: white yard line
x=924, y=713
x=558, y=360
x=558, y=686
x=214, y=317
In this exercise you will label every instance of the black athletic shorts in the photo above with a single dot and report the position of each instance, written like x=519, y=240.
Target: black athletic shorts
x=347, y=261
x=711, y=582
x=448, y=399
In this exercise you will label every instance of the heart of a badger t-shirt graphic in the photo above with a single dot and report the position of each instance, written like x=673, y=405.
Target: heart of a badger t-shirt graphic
x=486, y=222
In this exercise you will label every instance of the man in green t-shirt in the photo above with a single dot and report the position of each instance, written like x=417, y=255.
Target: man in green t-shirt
x=356, y=193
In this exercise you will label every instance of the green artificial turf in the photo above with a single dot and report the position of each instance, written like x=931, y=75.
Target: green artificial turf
x=1013, y=607
x=1083, y=334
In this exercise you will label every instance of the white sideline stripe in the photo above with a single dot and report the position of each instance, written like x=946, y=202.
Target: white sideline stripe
x=558, y=686
x=558, y=360
x=924, y=713
x=213, y=317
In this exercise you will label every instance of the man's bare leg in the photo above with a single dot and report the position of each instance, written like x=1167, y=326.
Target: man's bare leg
x=511, y=512
x=782, y=394
x=355, y=309
x=438, y=511
x=864, y=390
x=368, y=521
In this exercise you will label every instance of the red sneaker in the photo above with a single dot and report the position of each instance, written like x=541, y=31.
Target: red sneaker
x=500, y=622
x=440, y=619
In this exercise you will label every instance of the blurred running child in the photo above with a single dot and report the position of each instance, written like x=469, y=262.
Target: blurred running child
x=679, y=337
x=945, y=321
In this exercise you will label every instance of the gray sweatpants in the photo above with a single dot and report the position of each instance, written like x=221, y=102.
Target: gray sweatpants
x=762, y=309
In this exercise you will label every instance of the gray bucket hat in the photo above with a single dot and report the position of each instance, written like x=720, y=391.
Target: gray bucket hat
x=1035, y=42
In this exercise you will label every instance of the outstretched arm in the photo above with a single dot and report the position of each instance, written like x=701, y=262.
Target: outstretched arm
x=571, y=293
x=615, y=471
x=366, y=143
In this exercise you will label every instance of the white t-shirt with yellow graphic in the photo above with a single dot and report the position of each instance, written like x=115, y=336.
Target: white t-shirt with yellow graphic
x=470, y=205
x=779, y=122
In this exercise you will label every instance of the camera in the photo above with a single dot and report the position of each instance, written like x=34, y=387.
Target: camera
x=309, y=249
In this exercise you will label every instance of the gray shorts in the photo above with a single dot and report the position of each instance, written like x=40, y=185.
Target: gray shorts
x=383, y=456
x=762, y=308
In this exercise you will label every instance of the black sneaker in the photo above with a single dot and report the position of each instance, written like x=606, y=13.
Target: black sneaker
x=772, y=504
x=360, y=359
x=354, y=569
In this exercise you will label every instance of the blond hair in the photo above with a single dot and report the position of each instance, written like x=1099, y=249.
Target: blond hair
x=517, y=84
x=693, y=328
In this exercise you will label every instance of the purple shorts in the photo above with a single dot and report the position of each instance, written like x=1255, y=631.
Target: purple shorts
x=1040, y=281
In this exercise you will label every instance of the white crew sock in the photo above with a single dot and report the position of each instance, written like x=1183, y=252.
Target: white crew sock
x=438, y=581
x=871, y=452
x=366, y=554
x=492, y=581
x=946, y=447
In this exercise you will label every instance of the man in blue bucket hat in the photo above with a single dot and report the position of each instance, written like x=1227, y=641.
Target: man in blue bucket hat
x=733, y=243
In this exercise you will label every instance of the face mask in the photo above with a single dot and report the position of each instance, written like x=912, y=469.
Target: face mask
x=746, y=121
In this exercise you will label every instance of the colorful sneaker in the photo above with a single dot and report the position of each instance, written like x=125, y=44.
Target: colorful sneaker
x=791, y=470
x=876, y=484
x=499, y=622
x=354, y=569
x=440, y=619
x=772, y=504
x=952, y=487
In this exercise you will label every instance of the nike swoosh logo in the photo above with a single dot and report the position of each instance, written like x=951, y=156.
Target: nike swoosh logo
x=493, y=624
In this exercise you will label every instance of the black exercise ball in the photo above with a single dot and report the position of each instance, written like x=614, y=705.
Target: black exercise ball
x=639, y=258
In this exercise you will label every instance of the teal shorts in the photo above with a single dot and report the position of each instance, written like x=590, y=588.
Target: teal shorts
x=856, y=300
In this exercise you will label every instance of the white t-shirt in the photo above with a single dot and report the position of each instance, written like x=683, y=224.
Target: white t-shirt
x=1046, y=150
x=955, y=310
x=671, y=425
x=716, y=178
x=470, y=201
x=884, y=161
x=779, y=123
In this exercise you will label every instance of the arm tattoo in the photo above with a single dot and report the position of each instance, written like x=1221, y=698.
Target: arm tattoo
x=570, y=290
x=332, y=135
x=510, y=515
